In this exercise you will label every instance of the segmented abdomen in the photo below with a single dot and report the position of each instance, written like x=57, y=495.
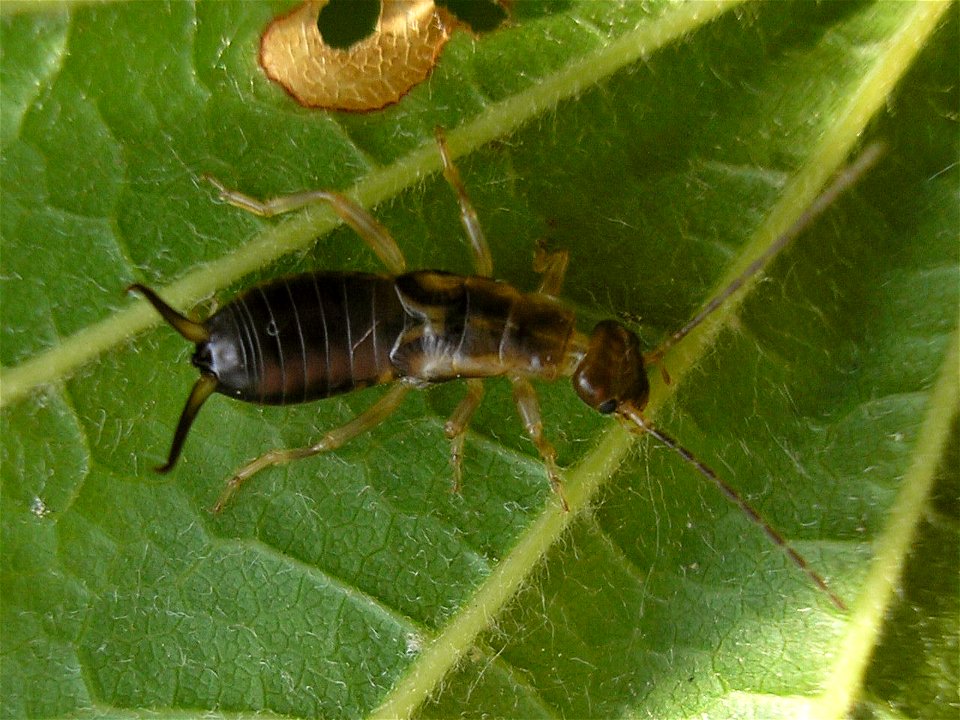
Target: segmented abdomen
x=306, y=337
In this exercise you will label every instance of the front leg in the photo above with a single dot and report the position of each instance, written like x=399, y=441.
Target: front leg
x=552, y=266
x=529, y=408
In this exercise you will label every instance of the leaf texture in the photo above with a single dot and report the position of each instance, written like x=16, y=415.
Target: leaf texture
x=664, y=145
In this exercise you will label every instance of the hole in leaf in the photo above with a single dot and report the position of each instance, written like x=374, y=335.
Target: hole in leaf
x=363, y=54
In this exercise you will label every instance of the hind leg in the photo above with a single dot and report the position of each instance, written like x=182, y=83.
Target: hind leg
x=375, y=235
x=367, y=420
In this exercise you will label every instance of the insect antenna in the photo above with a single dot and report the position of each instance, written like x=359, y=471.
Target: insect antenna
x=842, y=182
x=642, y=425
x=845, y=179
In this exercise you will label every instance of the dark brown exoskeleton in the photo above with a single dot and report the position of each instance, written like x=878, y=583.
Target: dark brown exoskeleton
x=316, y=335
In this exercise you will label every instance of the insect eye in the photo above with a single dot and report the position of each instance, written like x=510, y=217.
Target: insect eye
x=607, y=407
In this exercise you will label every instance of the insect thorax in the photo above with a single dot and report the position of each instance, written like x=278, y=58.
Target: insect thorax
x=477, y=327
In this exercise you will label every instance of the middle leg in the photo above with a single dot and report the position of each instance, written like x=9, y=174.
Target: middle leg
x=482, y=259
x=456, y=427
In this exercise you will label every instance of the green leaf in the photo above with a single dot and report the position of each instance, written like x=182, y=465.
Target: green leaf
x=663, y=145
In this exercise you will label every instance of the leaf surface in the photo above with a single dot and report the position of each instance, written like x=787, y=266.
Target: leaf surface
x=664, y=146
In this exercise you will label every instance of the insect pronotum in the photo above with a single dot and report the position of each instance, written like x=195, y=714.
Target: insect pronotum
x=320, y=334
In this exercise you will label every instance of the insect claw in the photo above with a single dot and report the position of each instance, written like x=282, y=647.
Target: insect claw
x=222, y=191
x=456, y=460
x=563, y=500
x=557, y=486
x=225, y=496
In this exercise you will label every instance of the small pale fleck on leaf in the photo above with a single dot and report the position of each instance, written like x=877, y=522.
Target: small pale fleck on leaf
x=39, y=508
x=371, y=73
x=414, y=644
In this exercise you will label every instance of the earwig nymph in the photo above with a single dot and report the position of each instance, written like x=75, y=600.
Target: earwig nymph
x=320, y=334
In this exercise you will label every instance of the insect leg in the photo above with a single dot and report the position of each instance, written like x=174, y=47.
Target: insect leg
x=372, y=232
x=456, y=427
x=529, y=408
x=482, y=259
x=368, y=419
x=553, y=267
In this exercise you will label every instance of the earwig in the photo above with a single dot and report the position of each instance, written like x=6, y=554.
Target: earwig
x=320, y=334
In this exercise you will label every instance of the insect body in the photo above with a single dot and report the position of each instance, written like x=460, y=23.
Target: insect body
x=319, y=334
x=316, y=335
